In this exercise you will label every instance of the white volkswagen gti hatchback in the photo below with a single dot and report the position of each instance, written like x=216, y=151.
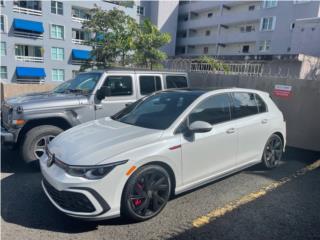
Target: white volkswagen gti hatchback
x=164, y=144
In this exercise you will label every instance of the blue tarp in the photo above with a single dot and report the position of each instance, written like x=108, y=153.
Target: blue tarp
x=80, y=54
x=26, y=25
x=30, y=72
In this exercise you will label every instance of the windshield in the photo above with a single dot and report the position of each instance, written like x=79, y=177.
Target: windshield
x=62, y=87
x=82, y=83
x=157, y=111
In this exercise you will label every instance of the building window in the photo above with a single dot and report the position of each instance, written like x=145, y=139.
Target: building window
x=264, y=46
x=57, y=53
x=248, y=28
x=80, y=36
x=245, y=48
x=35, y=5
x=80, y=14
x=268, y=23
x=75, y=73
x=2, y=3
x=57, y=75
x=3, y=49
x=210, y=15
x=205, y=50
x=208, y=33
x=251, y=8
x=57, y=7
x=3, y=23
x=3, y=72
x=270, y=3
x=57, y=31
x=140, y=10
x=301, y=1
x=292, y=26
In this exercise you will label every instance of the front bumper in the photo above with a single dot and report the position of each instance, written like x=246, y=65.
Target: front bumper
x=7, y=137
x=82, y=198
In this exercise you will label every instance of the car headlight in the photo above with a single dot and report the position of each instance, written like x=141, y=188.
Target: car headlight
x=92, y=172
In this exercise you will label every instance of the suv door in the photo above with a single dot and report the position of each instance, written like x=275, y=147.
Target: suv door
x=250, y=115
x=122, y=91
x=207, y=154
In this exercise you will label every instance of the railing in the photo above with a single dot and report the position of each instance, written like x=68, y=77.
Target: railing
x=78, y=41
x=27, y=35
x=29, y=59
x=79, y=20
x=27, y=11
x=30, y=81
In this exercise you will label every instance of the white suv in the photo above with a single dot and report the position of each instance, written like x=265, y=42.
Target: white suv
x=163, y=144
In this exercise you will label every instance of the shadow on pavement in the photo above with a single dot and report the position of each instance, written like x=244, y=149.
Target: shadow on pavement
x=24, y=203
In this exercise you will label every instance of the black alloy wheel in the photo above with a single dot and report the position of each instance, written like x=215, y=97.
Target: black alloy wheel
x=147, y=192
x=272, y=152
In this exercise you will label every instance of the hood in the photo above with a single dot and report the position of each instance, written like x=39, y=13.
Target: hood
x=98, y=141
x=46, y=100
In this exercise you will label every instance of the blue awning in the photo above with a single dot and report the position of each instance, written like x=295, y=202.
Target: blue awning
x=26, y=25
x=81, y=54
x=22, y=72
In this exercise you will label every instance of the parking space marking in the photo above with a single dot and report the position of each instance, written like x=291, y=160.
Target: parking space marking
x=219, y=212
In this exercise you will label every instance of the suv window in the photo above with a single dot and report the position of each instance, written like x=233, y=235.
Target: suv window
x=261, y=104
x=119, y=85
x=244, y=104
x=149, y=84
x=215, y=109
x=176, y=82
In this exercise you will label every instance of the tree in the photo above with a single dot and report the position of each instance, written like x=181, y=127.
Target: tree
x=112, y=40
x=148, y=42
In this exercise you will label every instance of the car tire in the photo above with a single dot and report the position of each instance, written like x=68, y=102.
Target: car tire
x=152, y=186
x=272, y=152
x=34, y=141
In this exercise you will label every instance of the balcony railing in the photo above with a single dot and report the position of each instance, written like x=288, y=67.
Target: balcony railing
x=80, y=20
x=29, y=59
x=27, y=11
x=27, y=34
x=79, y=41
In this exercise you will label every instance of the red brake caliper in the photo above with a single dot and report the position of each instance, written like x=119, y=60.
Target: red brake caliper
x=137, y=202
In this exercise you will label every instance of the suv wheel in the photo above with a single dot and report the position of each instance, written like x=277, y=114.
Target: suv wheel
x=146, y=193
x=35, y=141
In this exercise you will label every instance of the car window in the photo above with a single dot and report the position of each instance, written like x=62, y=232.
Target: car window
x=119, y=85
x=244, y=104
x=176, y=81
x=149, y=84
x=215, y=109
x=157, y=111
x=261, y=104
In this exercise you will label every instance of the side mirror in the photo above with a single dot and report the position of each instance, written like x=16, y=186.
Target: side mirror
x=103, y=92
x=200, y=127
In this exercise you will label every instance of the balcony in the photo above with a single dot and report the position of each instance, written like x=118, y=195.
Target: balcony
x=78, y=41
x=29, y=59
x=198, y=40
x=237, y=37
x=29, y=11
x=198, y=6
x=27, y=29
x=80, y=15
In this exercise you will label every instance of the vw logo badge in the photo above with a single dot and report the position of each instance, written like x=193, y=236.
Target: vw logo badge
x=50, y=160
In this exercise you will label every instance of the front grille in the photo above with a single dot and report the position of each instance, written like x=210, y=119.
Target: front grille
x=71, y=201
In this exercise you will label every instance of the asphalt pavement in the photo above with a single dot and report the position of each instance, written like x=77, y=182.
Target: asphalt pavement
x=291, y=211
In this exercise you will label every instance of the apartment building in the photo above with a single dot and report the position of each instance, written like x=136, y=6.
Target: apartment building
x=231, y=29
x=43, y=40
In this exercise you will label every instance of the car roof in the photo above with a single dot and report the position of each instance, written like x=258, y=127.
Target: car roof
x=214, y=89
x=135, y=70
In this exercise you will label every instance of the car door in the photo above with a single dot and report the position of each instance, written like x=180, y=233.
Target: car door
x=252, y=126
x=122, y=92
x=207, y=154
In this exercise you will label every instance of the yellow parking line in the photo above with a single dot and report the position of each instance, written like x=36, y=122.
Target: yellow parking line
x=216, y=213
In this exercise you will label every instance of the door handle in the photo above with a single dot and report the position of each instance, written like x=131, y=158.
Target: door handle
x=98, y=106
x=264, y=121
x=230, y=130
